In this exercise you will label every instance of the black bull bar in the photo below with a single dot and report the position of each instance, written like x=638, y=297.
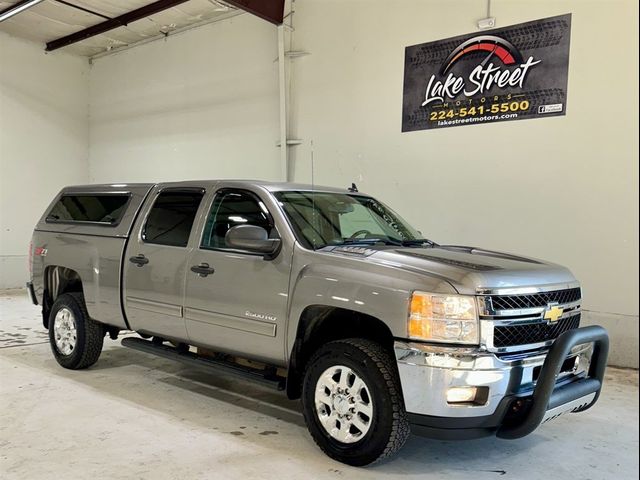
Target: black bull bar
x=546, y=396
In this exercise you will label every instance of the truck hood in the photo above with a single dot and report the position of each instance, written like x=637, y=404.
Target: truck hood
x=467, y=269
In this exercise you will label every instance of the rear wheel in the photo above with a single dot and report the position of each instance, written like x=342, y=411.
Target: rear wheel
x=76, y=340
x=352, y=402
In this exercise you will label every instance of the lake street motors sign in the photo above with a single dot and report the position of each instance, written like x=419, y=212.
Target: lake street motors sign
x=511, y=73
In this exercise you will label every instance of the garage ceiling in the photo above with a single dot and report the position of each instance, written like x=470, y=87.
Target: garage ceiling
x=54, y=19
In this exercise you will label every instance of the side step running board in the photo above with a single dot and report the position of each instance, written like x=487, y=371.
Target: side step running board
x=210, y=364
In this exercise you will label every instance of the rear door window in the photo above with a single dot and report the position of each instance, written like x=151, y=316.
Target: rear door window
x=170, y=220
x=99, y=208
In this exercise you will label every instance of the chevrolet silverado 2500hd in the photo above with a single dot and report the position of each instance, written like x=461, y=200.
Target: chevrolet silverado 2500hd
x=327, y=294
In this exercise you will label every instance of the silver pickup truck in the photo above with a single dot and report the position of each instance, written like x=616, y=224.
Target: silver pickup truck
x=327, y=294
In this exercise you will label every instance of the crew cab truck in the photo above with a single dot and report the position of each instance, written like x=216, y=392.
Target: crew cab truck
x=327, y=294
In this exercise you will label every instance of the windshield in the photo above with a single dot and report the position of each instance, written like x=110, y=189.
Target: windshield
x=322, y=218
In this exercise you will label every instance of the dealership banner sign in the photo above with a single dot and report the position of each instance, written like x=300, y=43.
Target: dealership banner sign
x=510, y=73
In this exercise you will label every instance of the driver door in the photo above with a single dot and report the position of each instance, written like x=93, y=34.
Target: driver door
x=239, y=304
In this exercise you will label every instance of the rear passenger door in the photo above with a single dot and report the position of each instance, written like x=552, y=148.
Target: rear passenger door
x=156, y=261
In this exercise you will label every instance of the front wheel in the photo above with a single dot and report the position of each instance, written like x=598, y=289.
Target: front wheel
x=352, y=402
x=76, y=340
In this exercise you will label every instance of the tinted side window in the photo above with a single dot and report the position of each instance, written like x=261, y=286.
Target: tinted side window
x=107, y=209
x=171, y=217
x=231, y=208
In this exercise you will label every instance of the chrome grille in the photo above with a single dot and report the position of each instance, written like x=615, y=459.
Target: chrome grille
x=513, y=335
x=513, y=321
x=542, y=299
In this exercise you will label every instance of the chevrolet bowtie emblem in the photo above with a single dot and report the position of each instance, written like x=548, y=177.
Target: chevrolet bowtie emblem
x=553, y=313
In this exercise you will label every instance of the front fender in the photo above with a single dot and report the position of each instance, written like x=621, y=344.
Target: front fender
x=376, y=290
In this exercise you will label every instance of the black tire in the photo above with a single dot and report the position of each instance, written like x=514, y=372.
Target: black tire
x=389, y=427
x=89, y=333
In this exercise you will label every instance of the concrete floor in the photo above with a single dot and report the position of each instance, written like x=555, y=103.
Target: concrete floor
x=136, y=416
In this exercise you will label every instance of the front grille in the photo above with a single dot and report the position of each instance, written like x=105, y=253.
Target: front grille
x=512, y=335
x=514, y=302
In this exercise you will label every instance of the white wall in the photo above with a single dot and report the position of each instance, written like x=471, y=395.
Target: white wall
x=563, y=189
x=203, y=104
x=43, y=142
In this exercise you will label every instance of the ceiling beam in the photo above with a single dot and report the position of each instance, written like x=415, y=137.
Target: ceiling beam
x=115, y=22
x=9, y=12
x=269, y=10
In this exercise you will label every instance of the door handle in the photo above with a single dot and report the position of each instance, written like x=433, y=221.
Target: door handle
x=139, y=260
x=203, y=269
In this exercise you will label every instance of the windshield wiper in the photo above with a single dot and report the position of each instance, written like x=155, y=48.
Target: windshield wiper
x=369, y=241
x=359, y=241
x=386, y=241
x=418, y=242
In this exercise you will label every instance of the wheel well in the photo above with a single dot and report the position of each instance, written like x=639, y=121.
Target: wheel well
x=58, y=280
x=320, y=324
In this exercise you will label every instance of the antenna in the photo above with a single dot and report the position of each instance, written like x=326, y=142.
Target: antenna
x=312, y=166
x=313, y=197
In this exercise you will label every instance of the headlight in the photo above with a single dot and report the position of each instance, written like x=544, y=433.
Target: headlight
x=443, y=318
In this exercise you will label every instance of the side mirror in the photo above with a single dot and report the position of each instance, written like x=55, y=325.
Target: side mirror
x=251, y=238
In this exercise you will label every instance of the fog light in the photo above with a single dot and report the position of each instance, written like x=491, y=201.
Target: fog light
x=468, y=395
x=461, y=394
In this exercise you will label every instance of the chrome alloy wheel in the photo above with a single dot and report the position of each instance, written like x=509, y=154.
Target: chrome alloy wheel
x=64, y=329
x=343, y=404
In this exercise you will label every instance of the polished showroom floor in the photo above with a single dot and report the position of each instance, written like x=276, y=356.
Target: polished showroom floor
x=136, y=416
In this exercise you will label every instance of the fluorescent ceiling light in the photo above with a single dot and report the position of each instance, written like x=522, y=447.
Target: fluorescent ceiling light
x=17, y=8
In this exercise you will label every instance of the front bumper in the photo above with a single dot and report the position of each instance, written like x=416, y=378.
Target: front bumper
x=525, y=390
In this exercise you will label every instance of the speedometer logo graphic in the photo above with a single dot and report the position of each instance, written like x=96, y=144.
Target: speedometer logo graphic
x=496, y=46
